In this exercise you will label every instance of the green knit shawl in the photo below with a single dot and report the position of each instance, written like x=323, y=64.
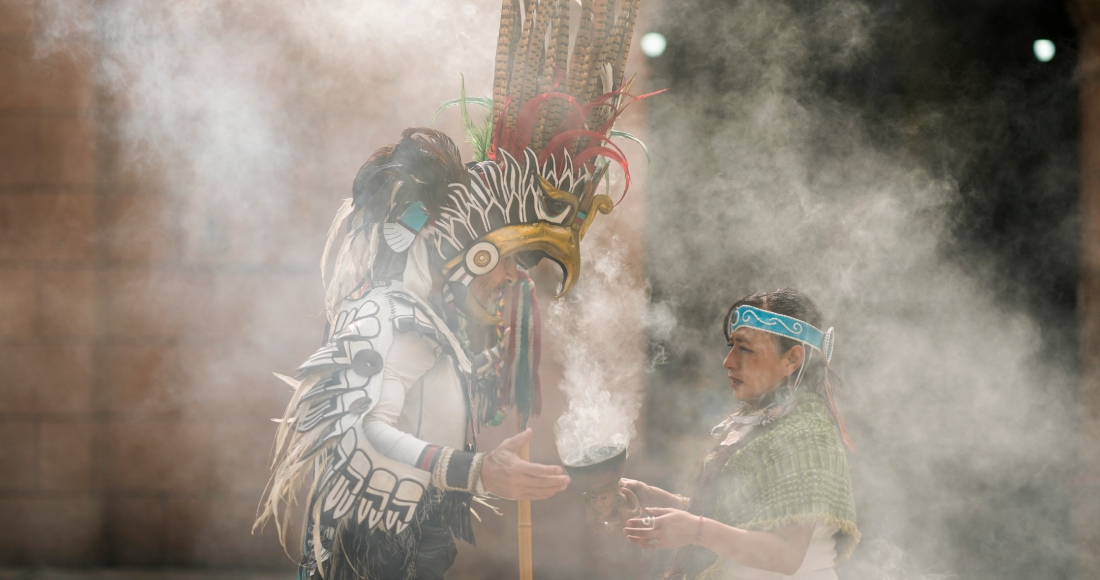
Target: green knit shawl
x=795, y=471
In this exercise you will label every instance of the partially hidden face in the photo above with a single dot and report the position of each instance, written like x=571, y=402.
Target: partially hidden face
x=755, y=366
x=607, y=510
x=488, y=288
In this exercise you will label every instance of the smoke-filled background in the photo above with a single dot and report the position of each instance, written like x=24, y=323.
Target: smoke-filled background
x=168, y=170
x=912, y=167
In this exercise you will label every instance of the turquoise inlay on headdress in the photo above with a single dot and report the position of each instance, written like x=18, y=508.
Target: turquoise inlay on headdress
x=414, y=217
x=783, y=325
x=401, y=233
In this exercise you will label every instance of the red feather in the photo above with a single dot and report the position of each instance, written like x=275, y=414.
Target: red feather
x=569, y=134
x=612, y=152
x=528, y=117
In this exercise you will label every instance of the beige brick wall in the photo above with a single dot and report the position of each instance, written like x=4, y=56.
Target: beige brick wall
x=50, y=497
x=118, y=444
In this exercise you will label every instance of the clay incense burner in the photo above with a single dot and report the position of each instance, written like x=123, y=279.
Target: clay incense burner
x=596, y=472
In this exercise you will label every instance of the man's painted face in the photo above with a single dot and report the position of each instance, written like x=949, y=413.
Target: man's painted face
x=488, y=288
x=755, y=366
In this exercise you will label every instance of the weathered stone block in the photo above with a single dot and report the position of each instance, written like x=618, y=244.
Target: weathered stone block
x=69, y=303
x=47, y=226
x=18, y=303
x=46, y=379
x=18, y=449
x=65, y=458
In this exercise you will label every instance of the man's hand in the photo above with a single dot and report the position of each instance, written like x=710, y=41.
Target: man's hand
x=505, y=474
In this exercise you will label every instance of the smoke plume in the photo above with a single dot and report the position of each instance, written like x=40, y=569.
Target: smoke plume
x=766, y=180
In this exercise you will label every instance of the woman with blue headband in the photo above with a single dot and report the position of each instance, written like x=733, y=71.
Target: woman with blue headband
x=773, y=499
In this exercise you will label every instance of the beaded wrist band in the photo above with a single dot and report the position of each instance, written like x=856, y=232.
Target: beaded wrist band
x=457, y=470
x=699, y=534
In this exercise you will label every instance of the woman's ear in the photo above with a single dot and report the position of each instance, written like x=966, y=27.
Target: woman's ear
x=793, y=358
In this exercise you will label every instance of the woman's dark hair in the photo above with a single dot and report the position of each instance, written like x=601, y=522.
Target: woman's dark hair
x=788, y=302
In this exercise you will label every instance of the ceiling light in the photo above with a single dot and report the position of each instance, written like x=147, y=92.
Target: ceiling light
x=653, y=44
x=1044, y=49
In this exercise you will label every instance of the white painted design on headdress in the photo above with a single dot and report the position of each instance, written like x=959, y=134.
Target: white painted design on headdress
x=795, y=328
x=398, y=237
x=783, y=325
x=499, y=194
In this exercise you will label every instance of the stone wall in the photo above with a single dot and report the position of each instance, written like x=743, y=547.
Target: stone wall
x=119, y=440
x=51, y=276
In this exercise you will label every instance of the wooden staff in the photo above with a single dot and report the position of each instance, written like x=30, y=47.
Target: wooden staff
x=526, y=569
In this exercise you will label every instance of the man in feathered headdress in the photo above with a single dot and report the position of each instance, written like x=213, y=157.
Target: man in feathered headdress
x=381, y=426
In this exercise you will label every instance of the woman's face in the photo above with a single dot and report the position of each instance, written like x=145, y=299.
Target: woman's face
x=755, y=366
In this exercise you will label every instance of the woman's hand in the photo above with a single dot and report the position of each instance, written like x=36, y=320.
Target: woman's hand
x=652, y=496
x=670, y=529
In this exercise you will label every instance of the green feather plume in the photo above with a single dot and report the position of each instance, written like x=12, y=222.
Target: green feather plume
x=478, y=134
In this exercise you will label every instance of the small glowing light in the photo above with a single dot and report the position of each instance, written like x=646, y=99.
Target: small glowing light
x=1044, y=50
x=653, y=44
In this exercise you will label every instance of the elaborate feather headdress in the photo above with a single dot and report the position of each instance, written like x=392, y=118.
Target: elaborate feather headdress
x=539, y=155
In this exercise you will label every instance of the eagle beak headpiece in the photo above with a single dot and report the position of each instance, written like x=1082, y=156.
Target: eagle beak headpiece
x=524, y=210
x=540, y=153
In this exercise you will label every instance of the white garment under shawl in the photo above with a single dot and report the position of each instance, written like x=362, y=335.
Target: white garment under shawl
x=819, y=563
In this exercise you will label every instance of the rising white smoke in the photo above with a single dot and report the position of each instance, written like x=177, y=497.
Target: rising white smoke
x=600, y=327
x=766, y=182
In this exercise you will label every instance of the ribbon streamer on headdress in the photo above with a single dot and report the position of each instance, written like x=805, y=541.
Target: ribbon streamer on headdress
x=522, y=352
x=519, y=340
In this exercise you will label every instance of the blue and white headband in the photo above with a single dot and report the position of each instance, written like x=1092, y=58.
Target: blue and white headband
x=785, y=326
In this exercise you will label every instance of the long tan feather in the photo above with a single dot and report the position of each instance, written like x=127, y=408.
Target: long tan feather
x=578, y=62
x=518, y=83
x=341, y=215
x=505, y=50
x=602, y=78
x=291, y=464
x=559, y=61
x=515, y=63
x=296, y=467
x=542, y=59
x=341, y=272
x=594, y=66
x=615, y=39
x=536, y=51
x=317, y=539
x=312, y=492
x=300, y=389
x=545, y=79
x=625, y=40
